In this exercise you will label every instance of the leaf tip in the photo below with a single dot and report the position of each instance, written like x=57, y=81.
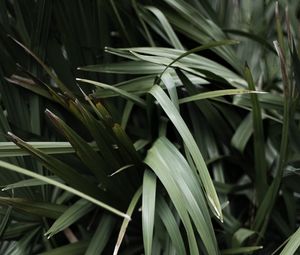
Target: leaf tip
x=51, y=115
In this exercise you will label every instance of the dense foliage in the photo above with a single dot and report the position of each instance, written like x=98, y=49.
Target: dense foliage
x=149, y=127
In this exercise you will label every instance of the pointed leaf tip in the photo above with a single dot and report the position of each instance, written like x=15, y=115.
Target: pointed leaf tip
x=51, y=115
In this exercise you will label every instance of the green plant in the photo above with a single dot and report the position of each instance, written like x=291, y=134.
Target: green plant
x=158, y=146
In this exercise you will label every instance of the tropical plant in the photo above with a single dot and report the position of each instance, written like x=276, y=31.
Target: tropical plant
x=132, y=127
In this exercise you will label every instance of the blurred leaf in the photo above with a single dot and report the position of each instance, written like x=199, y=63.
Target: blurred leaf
x=102, y=235
x=77, y=248
x=240, y=236
x=293, y=244
x=296, y=66
x=243, y=133
x=37, y=208
x=241, y=250
x=5, y=221
x=46, y=68
x=16, y=230
x=9, y=149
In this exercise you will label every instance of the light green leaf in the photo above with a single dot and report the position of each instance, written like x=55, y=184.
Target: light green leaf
x=184, y=188
x=292, y=245
x=240, y=236
x=126, y=220
x=121, y=92
x=241, y=250
x=188, y=139
x=148, y=209
x=171, y=225
x=9, y=149
x=213, y=94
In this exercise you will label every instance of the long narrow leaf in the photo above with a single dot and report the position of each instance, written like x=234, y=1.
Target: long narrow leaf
x=182, y=128
x=20, y=170
x=148, y=209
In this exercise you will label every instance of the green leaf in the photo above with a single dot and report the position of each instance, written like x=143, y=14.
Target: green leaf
x=171, y=225
x=22, y=246
x=126, y=220
x=128, y=67
x=20, y=170
x=213, y=94
x=69, y=216
x=269, y=200
x=102, y=235
x=29, y=183
x=32, y=207
x=188, y=139
x=121, y=92
x=5, y=221
x=77, y=248
x=60, y=169
x=184, y=189
x=17, y=230
x=166, y=26
x=259, y=141
x=241, y=250
x=88, y=156
x=243, y=133
x=46, y=68
x=9, y=149
x=292, y=245
x=206, y=46
x=240, y=236
x=148, y=209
